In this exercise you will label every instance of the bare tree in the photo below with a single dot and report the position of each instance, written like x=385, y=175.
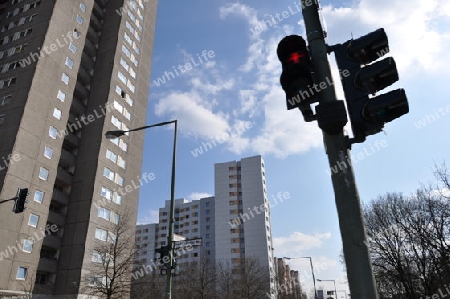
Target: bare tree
x=245, y=280
x=149, y=286
x=110, y=275
x=196, y=281
x=224, y=282
x=408, y=239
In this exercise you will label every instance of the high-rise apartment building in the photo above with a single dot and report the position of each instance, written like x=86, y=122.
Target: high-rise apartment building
x=70, y=70
x=242, y=220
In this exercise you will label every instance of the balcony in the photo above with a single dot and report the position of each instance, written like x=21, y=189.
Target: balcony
x=64, y=176
x=67, y=159
x=97, y=10
x=60, y=197
x=87, y=63
x=52, y=241
x=93, y=35
x=95, y=23
x=47, y=265
x=77, y=107
x=56, y=218
x=81, y=91
x=90, y=48
x=72, y=139
x=84, y=76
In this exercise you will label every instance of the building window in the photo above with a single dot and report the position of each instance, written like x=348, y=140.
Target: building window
x=101, y=234
x=121, y=162
x=126, y=51
x=52, y=132
x=95, y=280
x=22, y=273
x=72, y=48
x=43, y=173
x=61, y=96
x=57, y=113
x=38, y=196
x=128, y=39
x=48, y=152
x=122, y=77
x=69, y=62
x=124, y=64
x=117, y=198
x=108, y=173
x=98, y=257
x=65, y=78
x=104, y=213
x=83, y=7
x=27, y=245
x=106, y=193
x=33, y=220
x=7, y=82
x=119, y=180
x=80, y=20
x=118, y=107
x=111, y=156
x=5, y=100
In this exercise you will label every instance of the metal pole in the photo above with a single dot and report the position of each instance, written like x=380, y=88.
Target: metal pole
x=335, y=290
x=314, y=278
x=354, y=239
x=169, y=265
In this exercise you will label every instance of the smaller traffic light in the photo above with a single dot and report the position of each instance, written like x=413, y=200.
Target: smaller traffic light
x=163, y=251
x=359, y=80
x=20, y=200
x=297, y=76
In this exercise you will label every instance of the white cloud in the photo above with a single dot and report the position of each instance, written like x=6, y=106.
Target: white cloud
x=151, y=216
x=194, y=118
x=414, y=30
x=297, y=243
x=198, y=195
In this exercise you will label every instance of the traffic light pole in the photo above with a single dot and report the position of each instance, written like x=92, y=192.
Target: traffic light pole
x=354, y=239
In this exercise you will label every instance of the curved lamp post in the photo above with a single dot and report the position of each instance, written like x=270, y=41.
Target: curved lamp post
x=312, y=270
x=169, y=265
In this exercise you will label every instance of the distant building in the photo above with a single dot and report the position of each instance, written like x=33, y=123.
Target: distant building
x=243, y=227
x=234, y=224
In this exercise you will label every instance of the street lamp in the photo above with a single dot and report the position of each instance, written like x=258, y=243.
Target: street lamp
x=334, y=281
x=169, y=265
x=312, y=270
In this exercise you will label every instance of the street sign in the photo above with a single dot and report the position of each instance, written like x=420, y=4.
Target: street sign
x=187, y=242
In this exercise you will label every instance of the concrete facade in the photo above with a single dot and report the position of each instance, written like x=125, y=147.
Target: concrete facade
x=242, y=217
x=69, y=72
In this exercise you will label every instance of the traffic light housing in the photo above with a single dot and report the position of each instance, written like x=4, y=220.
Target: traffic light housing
x=163, y=251
x=297, y=76
x=20, y=200
x=359, y=80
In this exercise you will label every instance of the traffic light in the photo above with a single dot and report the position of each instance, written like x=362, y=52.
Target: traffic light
x=20, y=200
x=359, y=80
x=297, y=76
x=163, y=251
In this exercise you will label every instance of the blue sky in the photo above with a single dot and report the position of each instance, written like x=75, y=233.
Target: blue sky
x=240, y=84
